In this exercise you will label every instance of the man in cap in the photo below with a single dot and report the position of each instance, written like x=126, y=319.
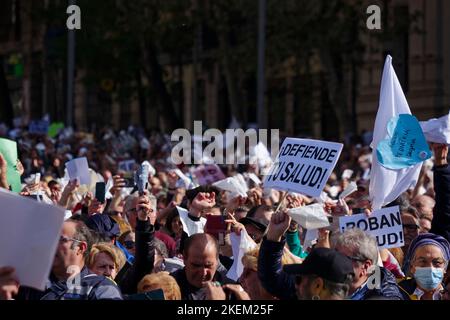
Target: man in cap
x=325, y=274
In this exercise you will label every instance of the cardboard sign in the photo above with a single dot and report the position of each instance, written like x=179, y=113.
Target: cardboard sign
x=38, y=127
x=303, y=166
x=127, y=165
x=384, y=224
x=8, y=149
x=208, y=174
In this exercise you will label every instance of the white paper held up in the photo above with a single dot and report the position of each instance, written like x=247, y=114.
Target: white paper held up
x=79, y=168
x=240, y=245
x=189, y=226
x=29, y=235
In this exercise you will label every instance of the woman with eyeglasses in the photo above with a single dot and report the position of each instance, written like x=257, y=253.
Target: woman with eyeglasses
x=128, y=240
x=426, y=264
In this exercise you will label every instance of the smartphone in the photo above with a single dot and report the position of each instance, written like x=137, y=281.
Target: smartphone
x=129, y=179
x=100, y=191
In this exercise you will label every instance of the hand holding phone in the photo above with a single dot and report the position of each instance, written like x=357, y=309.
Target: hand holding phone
x=100, y=191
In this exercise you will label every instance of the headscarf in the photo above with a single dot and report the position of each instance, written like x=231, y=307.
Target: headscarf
x=423, y=240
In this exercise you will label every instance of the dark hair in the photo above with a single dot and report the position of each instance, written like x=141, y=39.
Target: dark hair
x=199, y=237
x=82, y=233
x=173, y=213
x=191, y=194
x=340, y=289
x=251, y=213
x=123, y=236
x=52, y=183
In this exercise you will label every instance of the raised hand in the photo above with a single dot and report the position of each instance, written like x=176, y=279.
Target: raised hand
x=279, y=224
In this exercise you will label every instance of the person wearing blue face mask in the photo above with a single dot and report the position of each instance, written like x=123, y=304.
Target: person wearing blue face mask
x=426, y=262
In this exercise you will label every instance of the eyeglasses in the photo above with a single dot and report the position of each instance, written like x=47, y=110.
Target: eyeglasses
x=64, y=239
x=357, y=259
x=437, y=263
x=129, y=244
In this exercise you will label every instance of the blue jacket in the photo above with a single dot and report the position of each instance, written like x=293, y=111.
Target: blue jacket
x=89, y=287
x=388, y=289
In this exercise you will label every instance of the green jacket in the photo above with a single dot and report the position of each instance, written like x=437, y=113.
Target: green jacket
x=293, y=242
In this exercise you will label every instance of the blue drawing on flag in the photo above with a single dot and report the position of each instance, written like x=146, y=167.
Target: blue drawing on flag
x=405, y=144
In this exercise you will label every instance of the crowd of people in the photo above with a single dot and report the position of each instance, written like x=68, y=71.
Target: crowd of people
x=135, y=244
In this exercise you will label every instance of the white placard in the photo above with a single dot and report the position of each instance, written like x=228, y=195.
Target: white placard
x=303, y=166
x=29, y=235
x=384, y=224
x=79, y=169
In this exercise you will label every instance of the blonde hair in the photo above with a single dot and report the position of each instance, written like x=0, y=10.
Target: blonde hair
x=161, y=280
x=250, y=258
x=104, y=247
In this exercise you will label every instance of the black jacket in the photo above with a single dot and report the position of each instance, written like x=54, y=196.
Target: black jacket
x=270, y=271
x=441, y=212
x=189, y=292
x=143, y=260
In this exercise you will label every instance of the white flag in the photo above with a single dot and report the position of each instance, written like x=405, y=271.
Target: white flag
x=386, y=184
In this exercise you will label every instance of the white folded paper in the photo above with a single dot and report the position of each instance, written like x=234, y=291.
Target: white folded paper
x=240, y=245
x=352, y=187
x=310, y=217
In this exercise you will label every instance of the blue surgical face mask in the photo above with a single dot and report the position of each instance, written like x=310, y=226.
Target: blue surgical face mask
x=429, y=278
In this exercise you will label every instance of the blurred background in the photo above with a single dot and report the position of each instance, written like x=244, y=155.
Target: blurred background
x=309, y=68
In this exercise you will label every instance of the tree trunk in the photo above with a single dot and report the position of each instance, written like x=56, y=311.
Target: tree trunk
x=230, y=79
x=7, y=114
x=337, y=91
x=155, y=73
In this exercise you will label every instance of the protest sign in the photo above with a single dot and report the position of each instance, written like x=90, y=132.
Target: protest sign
x=384, y=224
x=29, y=232
x=38, y=127
x=208, y=174
x=8, y=149
x=303, y=166
x=54, y=129
x=127, y=165
x=78, y=169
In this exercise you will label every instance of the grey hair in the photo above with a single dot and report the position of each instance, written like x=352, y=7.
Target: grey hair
x=363, y=245
x=129, y=201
